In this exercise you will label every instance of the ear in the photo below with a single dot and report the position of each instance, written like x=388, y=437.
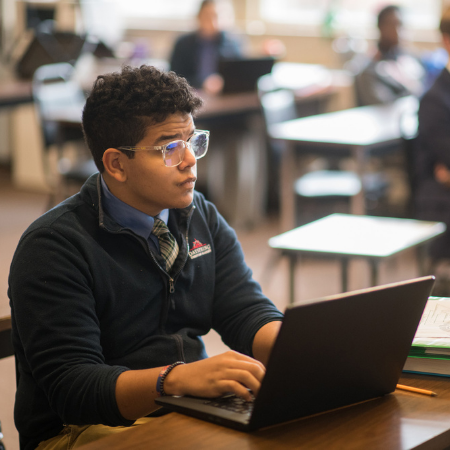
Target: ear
x=113, y=160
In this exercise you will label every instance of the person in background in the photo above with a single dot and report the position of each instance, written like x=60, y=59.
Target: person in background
x=196, y=55
x=112, y=290
x=432, y=164
x=392, y=72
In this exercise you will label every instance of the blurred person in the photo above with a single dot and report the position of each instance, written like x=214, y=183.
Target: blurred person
x=392, y=72
x=432, y=164
x=196, y=55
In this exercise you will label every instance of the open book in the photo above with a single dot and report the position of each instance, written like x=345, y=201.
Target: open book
x=430, y=351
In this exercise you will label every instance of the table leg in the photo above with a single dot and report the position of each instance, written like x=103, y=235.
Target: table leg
x=344, y=274
x=292, y=264
x=373, y=272
x=422, y=260
x=357, y=205
x=287, y=196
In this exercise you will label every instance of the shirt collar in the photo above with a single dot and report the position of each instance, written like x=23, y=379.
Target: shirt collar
x=127, y=216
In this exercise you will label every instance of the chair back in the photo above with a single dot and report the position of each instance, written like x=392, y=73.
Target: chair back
x=266, y=84
x=59, y=101
x=278, y=106
x=54, y=93
x=6, y=348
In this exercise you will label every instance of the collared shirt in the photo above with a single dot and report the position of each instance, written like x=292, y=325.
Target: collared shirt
x=129, y=217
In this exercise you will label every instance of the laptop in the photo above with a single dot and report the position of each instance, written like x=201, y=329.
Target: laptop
x=330, y=353
x=241, y=75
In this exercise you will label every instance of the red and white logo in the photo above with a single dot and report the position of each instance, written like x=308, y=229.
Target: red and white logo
x=199, y=249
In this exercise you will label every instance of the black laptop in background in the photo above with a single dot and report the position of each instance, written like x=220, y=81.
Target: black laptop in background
x=330, y=353
x=241, y=75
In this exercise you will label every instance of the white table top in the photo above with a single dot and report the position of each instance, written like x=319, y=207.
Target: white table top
x=346, y=234
x=362, y=126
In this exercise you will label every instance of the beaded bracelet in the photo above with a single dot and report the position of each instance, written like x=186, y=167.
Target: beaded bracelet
x=162, y=376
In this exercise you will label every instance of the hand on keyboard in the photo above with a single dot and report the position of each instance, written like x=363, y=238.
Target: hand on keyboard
x=215, y=376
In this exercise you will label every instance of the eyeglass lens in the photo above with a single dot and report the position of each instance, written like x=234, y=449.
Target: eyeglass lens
x=174, y=153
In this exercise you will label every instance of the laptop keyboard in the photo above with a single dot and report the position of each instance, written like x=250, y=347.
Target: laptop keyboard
x=231, y=403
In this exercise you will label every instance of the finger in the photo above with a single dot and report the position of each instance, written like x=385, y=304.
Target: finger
x=237, y=389
x=244, y=378
x=240, y=357
x=257, y=370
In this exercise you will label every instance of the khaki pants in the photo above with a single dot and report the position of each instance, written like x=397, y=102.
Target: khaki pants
x=73, y=436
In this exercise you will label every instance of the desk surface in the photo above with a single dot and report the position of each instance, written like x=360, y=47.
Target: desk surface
x=346, y=234
x=362, y=126
x=398, y=421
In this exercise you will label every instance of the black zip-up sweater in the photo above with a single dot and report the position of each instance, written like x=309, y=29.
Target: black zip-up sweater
x=90, y=300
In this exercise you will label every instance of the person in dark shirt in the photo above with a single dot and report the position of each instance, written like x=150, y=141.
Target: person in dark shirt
x=111, y=290
x=432, y=162
x=196, y=55
x=392, y=72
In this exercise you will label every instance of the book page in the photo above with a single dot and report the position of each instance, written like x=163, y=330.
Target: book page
x=435, y=322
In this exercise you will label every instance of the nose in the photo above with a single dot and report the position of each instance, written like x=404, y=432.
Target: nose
x=189, y=157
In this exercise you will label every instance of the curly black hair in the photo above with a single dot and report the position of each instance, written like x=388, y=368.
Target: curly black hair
x=122, y=105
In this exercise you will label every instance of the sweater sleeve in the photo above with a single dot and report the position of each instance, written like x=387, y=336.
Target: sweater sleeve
x=58, y=332
x=240, y=308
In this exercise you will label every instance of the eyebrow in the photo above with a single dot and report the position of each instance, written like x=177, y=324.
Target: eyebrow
x=169, y=137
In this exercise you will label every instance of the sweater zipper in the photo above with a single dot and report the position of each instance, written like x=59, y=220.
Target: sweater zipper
x=186, y=237
x=172, y=279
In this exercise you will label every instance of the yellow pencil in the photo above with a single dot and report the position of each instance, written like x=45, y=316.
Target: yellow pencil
x=417, y=390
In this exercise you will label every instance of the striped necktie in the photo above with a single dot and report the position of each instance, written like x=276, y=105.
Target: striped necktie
x=167, y=243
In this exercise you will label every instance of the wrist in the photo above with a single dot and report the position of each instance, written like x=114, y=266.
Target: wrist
x=173, y=383
x=163, y=387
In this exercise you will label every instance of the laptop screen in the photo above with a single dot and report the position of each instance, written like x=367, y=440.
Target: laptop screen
x=241, y=75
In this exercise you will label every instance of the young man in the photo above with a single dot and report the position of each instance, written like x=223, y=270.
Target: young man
x=107, y=306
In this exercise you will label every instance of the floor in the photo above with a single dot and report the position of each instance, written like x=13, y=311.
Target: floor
x=316, y=278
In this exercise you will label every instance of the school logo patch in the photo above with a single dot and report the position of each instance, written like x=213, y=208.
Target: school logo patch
x=199, y=249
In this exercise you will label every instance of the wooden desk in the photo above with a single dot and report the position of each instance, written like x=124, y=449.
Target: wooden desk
x=357, y=131
x=399, y=421
x=345, y=236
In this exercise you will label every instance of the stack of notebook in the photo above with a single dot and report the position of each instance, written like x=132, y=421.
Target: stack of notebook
x=430, y=351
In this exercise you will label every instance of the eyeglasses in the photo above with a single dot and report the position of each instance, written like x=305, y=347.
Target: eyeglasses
x=173, y=152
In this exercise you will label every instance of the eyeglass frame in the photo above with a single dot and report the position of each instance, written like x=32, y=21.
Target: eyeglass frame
x=163, y=148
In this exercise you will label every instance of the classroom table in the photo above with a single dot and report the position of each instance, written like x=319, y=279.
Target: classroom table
x=346, y=236
x=359, y=132
x=398, y=421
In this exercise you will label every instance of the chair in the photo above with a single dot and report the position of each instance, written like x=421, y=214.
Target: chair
x=57, y=96
x=325, y=185
x=6, y=348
